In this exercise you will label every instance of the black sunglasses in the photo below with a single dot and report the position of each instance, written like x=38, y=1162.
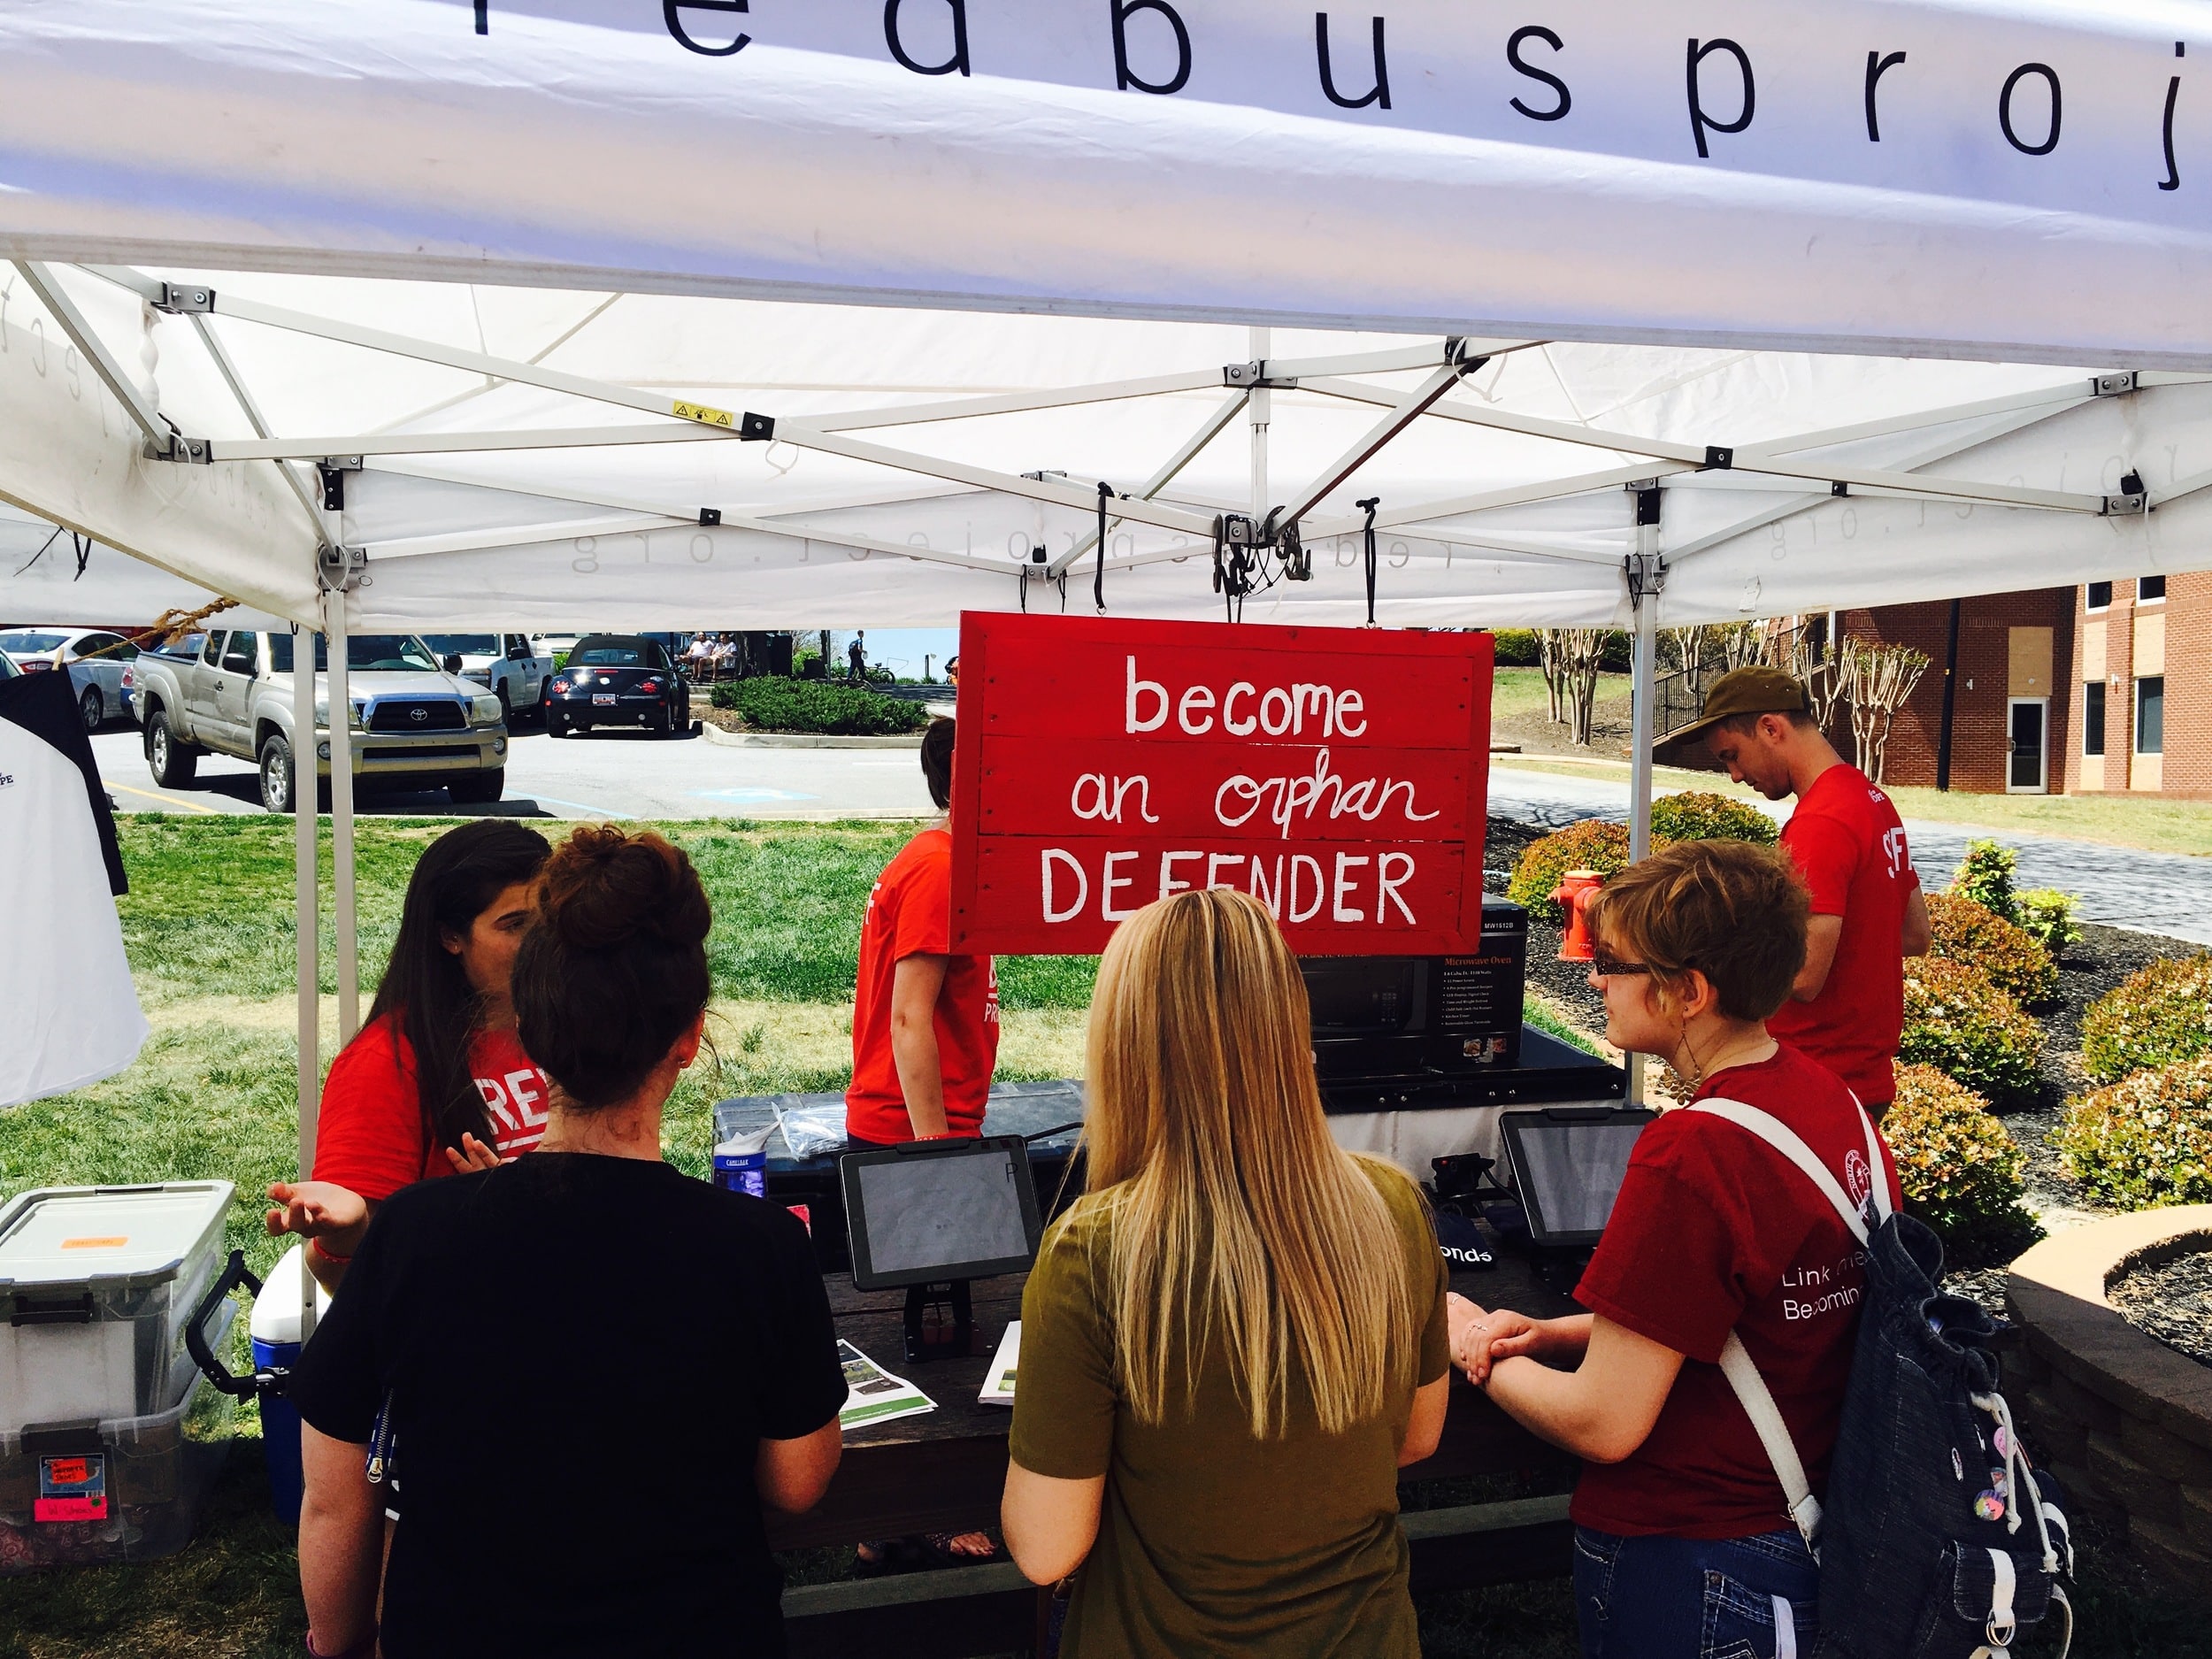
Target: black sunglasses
x=1608, y=967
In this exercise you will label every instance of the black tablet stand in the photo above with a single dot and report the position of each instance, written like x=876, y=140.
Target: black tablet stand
x=939, y=1321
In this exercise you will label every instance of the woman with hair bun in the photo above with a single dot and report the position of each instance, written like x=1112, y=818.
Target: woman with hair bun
x=560, y=1336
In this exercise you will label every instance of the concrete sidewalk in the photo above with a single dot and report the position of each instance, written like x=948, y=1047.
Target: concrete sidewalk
x=2155, y=893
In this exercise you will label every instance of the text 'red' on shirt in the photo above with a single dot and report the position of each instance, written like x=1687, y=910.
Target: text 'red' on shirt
x=371, y=1138
x=910, y=914
x=1713, y=1232
x=1849, y=843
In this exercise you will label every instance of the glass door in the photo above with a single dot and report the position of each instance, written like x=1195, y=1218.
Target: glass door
x=2027, y=766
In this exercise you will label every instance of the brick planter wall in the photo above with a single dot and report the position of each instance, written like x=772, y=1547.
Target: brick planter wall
x=2122, y=1419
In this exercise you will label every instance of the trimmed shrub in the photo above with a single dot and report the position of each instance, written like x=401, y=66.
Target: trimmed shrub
x=1965, y=932
x=1956, y=1021
x=2155, y=1016
x=2145, y=1140
x=1985, y=877
x=1593, y=844
x=1515, y=647
x=2050, y=918
x=772, y=703
x=1697, y=816
x=1962, y=1173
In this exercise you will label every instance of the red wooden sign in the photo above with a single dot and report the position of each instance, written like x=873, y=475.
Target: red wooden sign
x=1339, y=774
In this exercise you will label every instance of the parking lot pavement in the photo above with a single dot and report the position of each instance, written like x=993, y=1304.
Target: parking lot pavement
x=599, y=776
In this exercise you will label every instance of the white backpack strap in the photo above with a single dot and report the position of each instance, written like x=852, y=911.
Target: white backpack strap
x=1786, y=1141
x=1774, y=1434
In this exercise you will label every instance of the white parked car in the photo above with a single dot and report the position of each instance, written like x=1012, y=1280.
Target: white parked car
x=511, y=666
x=95, y=658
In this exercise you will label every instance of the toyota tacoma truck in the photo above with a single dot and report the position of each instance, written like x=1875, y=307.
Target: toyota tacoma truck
x=415, y=725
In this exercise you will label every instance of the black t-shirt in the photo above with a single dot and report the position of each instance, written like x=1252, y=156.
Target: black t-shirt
x=583, y=1354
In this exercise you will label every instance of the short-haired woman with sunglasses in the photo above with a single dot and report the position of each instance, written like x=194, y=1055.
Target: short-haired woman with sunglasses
x=1684, y=1543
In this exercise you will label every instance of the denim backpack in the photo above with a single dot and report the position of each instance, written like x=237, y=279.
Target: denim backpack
x=1938, y=1540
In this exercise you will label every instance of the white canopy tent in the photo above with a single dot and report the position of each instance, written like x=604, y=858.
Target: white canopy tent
x=566, y=313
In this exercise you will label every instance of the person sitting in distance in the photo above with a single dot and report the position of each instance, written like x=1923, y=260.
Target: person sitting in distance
x=593, y=1369
x=1683, y=1544
x=1235, y=1339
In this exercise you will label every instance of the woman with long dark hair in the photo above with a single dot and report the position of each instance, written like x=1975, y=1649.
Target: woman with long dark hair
x=436, y=1080
x=588, y=1442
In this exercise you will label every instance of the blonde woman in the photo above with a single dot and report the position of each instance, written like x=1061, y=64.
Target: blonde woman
x=1234, y=1340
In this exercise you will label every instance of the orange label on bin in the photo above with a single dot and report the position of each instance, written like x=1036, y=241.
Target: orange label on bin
x=113, y=1243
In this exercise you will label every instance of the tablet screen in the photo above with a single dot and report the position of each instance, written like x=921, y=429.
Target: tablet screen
x=925, y=1213
x=1570, y=1172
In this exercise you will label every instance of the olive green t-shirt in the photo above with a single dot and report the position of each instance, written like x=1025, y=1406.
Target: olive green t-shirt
x=1212, y=1542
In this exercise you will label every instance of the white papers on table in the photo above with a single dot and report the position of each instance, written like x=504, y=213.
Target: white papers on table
x=998, y=1382
x=872, y=1394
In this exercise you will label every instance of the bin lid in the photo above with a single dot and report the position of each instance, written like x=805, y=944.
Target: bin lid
x=68, y=1235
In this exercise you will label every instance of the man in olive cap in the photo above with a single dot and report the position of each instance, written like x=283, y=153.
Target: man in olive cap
x=1846, y=1008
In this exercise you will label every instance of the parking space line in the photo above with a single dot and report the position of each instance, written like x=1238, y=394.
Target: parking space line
x=167, y=800
x=596, y=811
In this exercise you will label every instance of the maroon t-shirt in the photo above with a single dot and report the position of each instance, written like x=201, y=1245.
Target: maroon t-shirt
x=1716, y=1230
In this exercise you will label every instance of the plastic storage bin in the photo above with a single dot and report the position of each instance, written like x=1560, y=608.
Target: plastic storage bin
x=85, y=1494
x=96, y=1285
x=276, y=1345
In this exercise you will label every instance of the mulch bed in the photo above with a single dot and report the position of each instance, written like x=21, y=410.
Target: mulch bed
x=2172, y=1303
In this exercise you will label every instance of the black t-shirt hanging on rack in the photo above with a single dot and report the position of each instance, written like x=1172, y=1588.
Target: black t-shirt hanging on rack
x=583, y=1354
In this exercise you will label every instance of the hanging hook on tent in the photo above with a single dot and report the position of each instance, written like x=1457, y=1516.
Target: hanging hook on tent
x=83, y=544
x=1368, y=507
x=1098, y=570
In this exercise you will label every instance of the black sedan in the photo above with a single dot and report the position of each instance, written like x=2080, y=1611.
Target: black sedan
x=617, y=679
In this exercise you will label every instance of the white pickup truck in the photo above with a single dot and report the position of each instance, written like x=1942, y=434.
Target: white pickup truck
x=514, y=667
x=415, y=724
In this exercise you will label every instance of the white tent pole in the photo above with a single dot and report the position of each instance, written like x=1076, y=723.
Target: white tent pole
x=305, y=891
x=1260, y=411
x=1646, y=573
x=341, y=819
x=1187, y=452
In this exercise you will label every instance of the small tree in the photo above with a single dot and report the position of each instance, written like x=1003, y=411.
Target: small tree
x=1689, y=646
x=1549, y=659
x=1878, y=679
x=1580, y=652
x=1822, y=673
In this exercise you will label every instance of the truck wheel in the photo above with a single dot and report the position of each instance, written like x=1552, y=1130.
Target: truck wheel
x=506, y=709
x=477, y=789
x=90, y=710
x=172, y=761
x=277, y=792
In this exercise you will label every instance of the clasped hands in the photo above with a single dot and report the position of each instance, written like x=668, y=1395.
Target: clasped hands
x=1481, y=1337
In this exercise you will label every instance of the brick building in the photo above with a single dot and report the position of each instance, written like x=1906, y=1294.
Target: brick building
x=2011, y=726
x=2059, y=690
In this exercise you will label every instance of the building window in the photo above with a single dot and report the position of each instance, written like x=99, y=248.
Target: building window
x=2150, y=714
x=2149, y=587
x=2093, y=717
x=2100, y=595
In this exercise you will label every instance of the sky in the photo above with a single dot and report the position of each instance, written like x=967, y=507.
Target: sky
x=902, y=650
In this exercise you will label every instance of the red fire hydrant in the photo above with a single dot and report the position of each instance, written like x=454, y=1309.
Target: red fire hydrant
x=1577, y=887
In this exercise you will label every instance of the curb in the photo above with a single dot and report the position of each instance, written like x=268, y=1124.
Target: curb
x=714, y=733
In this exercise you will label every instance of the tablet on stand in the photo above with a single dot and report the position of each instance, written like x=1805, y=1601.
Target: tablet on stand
x=929, y=1216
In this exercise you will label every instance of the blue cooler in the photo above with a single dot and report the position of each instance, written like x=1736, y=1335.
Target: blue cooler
x=275, y=1329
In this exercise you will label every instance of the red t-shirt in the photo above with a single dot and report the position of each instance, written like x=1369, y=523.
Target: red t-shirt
x=1847, y=841
x=1715, y=1231
x=370, y=1137
x=910, y=914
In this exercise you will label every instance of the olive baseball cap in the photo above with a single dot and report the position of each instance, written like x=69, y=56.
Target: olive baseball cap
x=1755, y=690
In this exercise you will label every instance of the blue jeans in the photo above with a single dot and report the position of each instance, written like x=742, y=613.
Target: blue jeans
x=1695, y=1597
